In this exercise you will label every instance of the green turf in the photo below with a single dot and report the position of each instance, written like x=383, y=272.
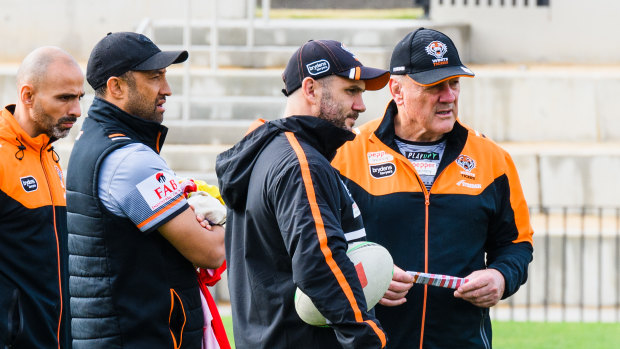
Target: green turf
x=398, y=13
x=538, y=335
x=227, y=320
x=552, y=335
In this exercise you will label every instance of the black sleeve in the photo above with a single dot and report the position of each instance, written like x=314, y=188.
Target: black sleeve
x=307, y=210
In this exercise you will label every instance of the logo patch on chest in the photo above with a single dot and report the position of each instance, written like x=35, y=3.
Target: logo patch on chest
x=377, y=157
x=29, y=183
x=383, y=170
x=466, y=162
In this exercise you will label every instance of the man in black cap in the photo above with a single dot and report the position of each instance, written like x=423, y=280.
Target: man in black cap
x=133, y=239
x=290, y=217
x=441, y=197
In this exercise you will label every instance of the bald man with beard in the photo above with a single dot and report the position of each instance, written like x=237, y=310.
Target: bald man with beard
x=33, y=225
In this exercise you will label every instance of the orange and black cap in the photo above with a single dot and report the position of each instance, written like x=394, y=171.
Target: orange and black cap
x=321, y=58
x=428, y=57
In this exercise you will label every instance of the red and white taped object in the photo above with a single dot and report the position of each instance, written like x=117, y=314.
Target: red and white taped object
x=438, y=280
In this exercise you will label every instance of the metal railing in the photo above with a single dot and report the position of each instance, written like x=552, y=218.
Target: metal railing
x=490, y=3
x=575, y=275
x=214, y=24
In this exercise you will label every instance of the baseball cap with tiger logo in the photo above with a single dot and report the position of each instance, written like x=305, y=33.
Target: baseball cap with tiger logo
x=428, y=57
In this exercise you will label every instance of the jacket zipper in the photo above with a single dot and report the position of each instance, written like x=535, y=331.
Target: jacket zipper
x=49, y=188
x=483, y=333
x=427, y=202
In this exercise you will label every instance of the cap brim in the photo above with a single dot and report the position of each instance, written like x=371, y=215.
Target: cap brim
x=374, y=78
x=435, y=76
x=161, y=60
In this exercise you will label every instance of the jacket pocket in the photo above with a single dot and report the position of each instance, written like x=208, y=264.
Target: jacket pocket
x=176, y=319
x=14, y=319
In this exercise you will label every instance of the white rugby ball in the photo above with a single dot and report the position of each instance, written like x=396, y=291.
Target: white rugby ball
x=374, y=266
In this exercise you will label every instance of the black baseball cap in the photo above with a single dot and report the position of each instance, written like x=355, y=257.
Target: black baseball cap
x=118, y=53
x=428, y=57
x=321, y=58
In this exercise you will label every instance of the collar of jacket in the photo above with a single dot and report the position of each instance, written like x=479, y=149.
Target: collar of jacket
x=114, y=120
x=386, y=131
x=17, y=134
x=455, y=139
x=234, y=167
x=322, y=135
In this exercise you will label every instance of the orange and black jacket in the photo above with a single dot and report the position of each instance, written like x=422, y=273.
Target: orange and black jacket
x=287, y=218
x=33, y=247
x=474, y=217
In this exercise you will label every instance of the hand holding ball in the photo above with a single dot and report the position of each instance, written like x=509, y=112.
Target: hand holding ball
x=374, y=266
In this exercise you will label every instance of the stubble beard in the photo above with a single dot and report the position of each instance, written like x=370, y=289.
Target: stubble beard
x=45, y=124
x=139, y=106
x=332, y=112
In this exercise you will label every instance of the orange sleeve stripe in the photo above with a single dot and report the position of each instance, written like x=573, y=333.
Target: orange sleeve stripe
x=170, y=205
x=320, y=228
x=378, y=331
x=116, y=135
x=254, y=125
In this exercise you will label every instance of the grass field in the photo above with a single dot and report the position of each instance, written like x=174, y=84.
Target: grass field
x=397, y=13
x=539, y=335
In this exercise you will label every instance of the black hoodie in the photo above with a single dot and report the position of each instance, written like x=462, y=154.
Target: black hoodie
x=289, y=221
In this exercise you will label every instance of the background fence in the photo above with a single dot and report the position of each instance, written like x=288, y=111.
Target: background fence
x=575, y=275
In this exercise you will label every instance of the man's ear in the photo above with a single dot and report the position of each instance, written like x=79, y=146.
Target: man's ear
x=309, y=88
x=116, y=87
x=396, y=89
x=26, y=95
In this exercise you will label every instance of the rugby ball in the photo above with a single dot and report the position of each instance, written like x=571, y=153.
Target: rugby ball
x=374, y=266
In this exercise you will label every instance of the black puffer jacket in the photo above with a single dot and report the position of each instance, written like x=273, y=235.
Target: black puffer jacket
x=128, y=289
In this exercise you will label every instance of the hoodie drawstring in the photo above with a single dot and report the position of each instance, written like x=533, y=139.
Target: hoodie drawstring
x=21, y=148
x=55, y=156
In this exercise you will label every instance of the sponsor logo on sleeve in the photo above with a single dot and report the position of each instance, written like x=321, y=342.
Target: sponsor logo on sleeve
x=159, y=189
x=318, y=67
x=29, y=183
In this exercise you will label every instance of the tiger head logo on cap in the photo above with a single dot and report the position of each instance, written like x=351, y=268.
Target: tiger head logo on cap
x=437, y=49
